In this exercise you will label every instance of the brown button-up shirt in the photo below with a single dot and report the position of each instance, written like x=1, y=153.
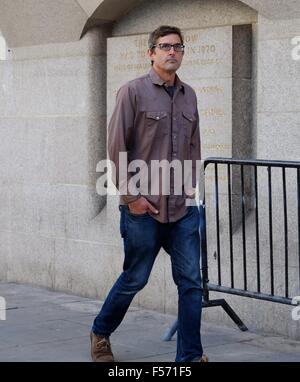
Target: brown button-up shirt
x=150, y=125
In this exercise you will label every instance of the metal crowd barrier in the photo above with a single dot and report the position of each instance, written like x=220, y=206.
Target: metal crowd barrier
x=242, y=173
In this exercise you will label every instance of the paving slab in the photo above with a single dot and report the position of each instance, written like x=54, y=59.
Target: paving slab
x=47, y=326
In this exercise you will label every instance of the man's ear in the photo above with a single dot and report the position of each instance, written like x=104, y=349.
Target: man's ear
x=150, y=53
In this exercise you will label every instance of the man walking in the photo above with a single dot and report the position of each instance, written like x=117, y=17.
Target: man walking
x=156, y=119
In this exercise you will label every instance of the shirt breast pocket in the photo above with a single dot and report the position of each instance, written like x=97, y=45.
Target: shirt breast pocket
x=188, y=124
x=156, y=123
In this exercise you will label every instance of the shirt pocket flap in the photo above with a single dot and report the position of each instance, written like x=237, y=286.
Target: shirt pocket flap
x=189, y=116
x=157, y=115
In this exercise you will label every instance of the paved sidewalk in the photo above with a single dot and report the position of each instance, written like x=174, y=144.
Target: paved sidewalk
x=42, y=325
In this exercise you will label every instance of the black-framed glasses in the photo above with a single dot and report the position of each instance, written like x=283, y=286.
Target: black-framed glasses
x=167, y=47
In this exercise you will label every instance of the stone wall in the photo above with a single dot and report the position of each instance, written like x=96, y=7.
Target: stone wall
x=53, y=128
x=276, y=137
x=55, y=231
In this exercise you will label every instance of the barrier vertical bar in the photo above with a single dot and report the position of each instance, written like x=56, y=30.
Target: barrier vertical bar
x=230, y=226
x=286, y=243
x=298, y=202
x=271, y=229
x=218, y=222
x=244, y=227
x=257, y=229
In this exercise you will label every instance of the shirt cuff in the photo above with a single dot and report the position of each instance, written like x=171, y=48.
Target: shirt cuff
x=130, y=198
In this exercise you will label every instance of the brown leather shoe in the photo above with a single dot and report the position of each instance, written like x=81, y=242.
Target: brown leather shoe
x=204, y=358
x=100, y=349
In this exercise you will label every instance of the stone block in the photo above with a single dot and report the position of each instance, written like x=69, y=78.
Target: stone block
x=4, y=254
x=278, y=74
x=278, y=136
x=86, y=268
x=31, y=259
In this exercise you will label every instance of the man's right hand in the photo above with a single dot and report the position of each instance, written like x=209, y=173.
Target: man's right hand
x=141, y=206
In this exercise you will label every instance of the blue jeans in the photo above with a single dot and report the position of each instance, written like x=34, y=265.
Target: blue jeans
x=143, y=238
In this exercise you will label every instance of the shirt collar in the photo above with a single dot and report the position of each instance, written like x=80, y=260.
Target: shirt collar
x=158, y=81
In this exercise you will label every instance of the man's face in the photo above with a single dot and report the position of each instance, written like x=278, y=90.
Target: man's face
x=167, y=61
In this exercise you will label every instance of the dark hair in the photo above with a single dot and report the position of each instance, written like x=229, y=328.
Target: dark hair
x=162, y=31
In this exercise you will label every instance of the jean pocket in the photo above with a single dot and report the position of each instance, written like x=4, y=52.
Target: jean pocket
x=137, y=215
